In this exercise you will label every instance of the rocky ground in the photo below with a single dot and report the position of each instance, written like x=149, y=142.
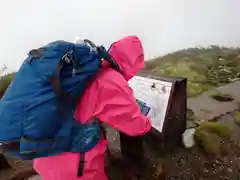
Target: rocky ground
x=184, y=164
x=218, y=159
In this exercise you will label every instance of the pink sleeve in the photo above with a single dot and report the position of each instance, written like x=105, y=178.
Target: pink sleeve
x=118, y=108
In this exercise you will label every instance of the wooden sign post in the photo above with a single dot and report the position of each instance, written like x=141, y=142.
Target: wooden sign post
x=4, y=163
x=166, y=98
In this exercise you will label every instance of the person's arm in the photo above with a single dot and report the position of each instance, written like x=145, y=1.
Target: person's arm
x=118, y=108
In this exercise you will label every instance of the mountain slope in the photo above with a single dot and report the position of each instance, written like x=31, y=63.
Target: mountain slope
x=205, y=68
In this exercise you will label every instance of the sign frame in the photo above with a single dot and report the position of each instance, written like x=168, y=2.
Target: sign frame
x=174, y=124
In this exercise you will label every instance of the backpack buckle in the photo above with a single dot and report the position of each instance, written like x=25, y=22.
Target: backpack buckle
x=68, y=58
x=91, y=45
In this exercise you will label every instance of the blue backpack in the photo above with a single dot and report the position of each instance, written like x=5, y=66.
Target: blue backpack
x=37, y=109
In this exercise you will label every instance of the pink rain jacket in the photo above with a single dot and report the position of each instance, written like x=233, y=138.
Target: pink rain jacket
x=110, y=100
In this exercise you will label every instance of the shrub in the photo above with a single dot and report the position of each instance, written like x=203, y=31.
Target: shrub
x=4, y=82
x=210, y=136
x=237, y=118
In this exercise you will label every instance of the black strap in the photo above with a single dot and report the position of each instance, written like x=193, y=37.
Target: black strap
x=63, y=98
x=81, y=165
x=35, y=54
x=103, y=130
x=104, y=55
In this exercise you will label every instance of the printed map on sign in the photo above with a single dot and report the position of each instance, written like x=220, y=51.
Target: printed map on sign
x=155, y=94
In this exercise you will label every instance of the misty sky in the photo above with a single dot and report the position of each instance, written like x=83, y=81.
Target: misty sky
x=162, y=25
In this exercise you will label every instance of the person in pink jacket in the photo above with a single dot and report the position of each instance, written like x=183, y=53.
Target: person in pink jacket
x=109, y=99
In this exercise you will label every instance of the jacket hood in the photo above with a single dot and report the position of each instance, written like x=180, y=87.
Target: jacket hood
x=129, y=55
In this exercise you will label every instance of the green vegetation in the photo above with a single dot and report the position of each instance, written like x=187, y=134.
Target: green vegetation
x=210, y=135
x=237, y=118
x=217, y=128
x=205, y=68
x=190, y=115
x=4, y=82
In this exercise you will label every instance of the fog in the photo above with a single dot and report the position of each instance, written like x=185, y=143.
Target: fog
x=163, y=25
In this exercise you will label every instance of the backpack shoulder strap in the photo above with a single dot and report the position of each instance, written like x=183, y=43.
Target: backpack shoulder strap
x=104, y=55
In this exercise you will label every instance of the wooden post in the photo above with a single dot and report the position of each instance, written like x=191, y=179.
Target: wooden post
x=4, y=163
x=132, y=148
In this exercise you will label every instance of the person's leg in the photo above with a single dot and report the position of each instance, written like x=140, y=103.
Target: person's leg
x=94, y=163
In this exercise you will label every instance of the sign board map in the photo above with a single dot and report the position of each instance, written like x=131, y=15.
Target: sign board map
x=154, y=94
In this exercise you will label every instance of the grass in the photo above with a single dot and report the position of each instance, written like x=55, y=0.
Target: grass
x=205, y=68
x=237, y=118
x=5, y=81
x=190, y=115
x=217, y=128
x=210, y=135
x=209, y=142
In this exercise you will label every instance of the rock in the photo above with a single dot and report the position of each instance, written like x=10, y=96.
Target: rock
x=222, y=97
x=190, y=115
x=191, y=124
x=188, y=138
x=160, y=172
x=204, y=107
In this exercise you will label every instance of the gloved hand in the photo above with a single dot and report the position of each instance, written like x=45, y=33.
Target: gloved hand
x=143, y=107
